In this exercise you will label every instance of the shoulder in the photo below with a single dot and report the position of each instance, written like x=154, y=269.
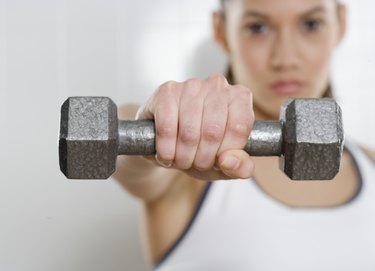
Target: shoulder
x=370, y=153
x=128, y=111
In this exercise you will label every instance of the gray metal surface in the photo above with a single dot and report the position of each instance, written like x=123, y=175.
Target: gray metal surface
x=309, y=138
x=265, y=139
x=313, y=139
x=88, y=138
x=137, y=137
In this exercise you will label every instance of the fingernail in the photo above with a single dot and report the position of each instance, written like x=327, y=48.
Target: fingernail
x=230, y=163
x=166, y=164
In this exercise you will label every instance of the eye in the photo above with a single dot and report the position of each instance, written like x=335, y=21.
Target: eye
x=312, y=25
x=257, y=28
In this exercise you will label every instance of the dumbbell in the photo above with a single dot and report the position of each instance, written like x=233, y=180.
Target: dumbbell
x=308, y=138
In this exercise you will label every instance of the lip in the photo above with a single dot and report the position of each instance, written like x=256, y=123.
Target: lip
x=287, y=87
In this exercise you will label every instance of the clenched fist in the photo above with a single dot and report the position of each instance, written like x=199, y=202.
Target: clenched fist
x=202, y=127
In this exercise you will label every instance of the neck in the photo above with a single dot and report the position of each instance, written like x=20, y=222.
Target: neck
x=263, y=115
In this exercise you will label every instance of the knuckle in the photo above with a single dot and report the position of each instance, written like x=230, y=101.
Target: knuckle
x=189, y=136
x=193, y=86
x=220, y=107
x=204, y=161
x=218, y=79
x=240, y=129
x=192, y=81
x=168, y=85
x=165, y=131
x=213, y=132
x=167, y=88
x=201, y=167
x=243, y=91
x=164, y=156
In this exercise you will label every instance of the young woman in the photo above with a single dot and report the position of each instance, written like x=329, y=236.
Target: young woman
x=207, y=204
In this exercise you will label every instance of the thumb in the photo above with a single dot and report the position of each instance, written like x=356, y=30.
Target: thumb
x=236, y=164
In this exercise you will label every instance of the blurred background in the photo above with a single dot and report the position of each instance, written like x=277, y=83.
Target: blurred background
x=52, y=49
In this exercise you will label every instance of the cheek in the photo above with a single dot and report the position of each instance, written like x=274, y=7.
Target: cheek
x=252, y=60
x=318, y=55
x=318, y=58
x=317, y=67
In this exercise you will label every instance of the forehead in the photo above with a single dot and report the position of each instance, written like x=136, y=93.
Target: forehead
x=276, y=7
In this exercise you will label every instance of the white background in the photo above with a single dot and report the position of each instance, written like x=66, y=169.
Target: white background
x=52, y=49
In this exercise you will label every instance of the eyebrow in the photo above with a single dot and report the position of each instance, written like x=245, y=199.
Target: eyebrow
x=313, y=11
x=253, y=13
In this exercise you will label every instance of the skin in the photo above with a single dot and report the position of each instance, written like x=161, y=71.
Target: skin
x=269, y=41
x=202, y=125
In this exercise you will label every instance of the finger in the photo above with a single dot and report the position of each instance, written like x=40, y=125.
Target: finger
x=147, y=110
x=207, y=175
x=214, y=121
x=165, y=107
x=189, y=123
x=236, y=164
x=240, y=119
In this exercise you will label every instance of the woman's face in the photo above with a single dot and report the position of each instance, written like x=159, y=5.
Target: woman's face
x=280, y=48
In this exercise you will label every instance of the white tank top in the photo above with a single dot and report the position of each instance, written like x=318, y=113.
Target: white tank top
x=238, y=227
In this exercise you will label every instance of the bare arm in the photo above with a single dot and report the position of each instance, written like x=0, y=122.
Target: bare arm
x=201, y=128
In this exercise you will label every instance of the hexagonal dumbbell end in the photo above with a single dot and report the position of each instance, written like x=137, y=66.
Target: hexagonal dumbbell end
x=313, y=139
x=88, y=141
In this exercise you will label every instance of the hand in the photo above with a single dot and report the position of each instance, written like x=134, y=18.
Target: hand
x=202, y=127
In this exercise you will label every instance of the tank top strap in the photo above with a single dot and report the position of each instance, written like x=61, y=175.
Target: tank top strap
x=365, y=168
x=361, y=157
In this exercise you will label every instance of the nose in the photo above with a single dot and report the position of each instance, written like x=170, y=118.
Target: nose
x=284, y=52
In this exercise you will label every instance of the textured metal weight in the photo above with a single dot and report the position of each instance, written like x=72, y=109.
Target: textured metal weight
x=308, y=137
x=137, y=137
x=266, y=139
x=313, y=139
x=88, y=138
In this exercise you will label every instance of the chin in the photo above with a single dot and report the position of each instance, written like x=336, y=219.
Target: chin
x=267, y=108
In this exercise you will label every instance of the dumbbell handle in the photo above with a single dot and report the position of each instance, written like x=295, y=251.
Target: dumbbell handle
x=138, y=138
